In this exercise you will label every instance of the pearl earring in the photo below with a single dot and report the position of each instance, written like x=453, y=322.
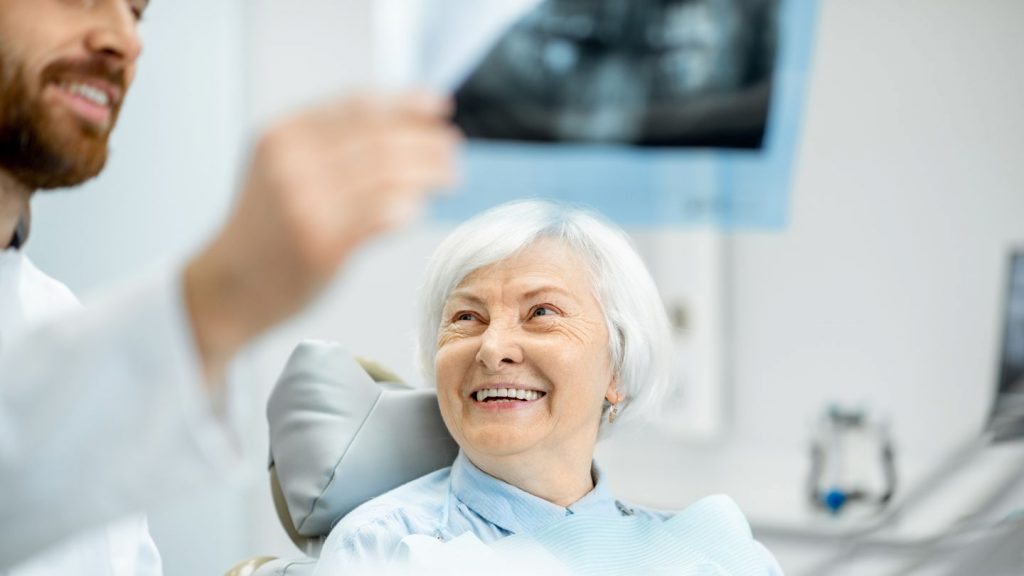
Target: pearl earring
x=613, y=413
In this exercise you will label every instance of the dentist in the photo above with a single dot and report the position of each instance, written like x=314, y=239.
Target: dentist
x=103, y=411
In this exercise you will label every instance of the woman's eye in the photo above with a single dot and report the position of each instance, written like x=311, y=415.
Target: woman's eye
x=542, y=311
x=465, y=317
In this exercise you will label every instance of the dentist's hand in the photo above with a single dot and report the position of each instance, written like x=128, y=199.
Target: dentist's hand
x=319, y=184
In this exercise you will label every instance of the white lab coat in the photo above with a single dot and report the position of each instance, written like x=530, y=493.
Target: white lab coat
x=103, y=412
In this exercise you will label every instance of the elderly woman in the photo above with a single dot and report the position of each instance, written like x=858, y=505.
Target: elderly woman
x=542, y=330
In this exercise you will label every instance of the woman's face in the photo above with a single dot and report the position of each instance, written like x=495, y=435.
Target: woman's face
x=522, y=362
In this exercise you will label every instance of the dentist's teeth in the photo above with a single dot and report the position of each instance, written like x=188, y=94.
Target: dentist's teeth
x=90, y=93
x=521, y=394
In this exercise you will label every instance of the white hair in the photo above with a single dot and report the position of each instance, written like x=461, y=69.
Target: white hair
x=638, y=333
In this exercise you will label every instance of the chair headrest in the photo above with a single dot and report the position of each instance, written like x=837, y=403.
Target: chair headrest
x=339, y=437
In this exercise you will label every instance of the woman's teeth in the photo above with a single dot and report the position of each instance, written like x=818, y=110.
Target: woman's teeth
x=507, y=393
x=94, y=95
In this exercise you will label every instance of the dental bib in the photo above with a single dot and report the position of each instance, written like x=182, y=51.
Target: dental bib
x=711, y=537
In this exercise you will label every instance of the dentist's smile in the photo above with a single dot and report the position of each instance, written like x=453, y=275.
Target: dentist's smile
x=90, y=100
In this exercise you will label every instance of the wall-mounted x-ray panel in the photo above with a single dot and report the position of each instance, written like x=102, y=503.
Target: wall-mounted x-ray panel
x=665, y=112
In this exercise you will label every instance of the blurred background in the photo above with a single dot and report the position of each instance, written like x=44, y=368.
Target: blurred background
x=881, y=288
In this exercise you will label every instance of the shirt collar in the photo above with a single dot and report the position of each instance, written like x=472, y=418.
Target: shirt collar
x=20, y=235
x=517, y=511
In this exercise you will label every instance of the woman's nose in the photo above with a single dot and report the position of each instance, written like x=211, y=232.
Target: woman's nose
x=499, y=348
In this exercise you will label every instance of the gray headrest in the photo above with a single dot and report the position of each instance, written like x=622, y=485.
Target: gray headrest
x=338, y=438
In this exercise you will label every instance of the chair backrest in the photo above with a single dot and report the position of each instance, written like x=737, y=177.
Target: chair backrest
x=343, y=431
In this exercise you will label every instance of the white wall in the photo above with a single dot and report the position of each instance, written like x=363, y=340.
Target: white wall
x=883, y=288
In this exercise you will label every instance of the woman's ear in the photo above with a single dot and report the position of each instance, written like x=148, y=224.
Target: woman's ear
x=613, y=396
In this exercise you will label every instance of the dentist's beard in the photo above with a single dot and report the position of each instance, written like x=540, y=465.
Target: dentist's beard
x=40, y=147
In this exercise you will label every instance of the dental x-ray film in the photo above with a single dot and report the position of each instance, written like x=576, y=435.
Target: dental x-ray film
x=667, y=73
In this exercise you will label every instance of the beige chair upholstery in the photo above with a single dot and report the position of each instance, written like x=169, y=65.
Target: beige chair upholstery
x=249, y=567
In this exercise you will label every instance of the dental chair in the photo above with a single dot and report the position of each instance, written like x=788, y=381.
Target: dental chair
x=343, y=430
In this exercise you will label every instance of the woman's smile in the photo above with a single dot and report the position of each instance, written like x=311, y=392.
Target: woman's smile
x=501, y=398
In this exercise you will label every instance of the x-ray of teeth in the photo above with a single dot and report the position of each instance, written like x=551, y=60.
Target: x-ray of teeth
x=645, y=72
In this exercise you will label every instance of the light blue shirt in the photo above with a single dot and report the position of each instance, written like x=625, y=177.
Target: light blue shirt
x=453, y=501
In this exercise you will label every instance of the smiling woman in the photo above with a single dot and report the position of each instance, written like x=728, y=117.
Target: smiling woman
x=523, y=368
x=541, y=329
x=568, y=255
